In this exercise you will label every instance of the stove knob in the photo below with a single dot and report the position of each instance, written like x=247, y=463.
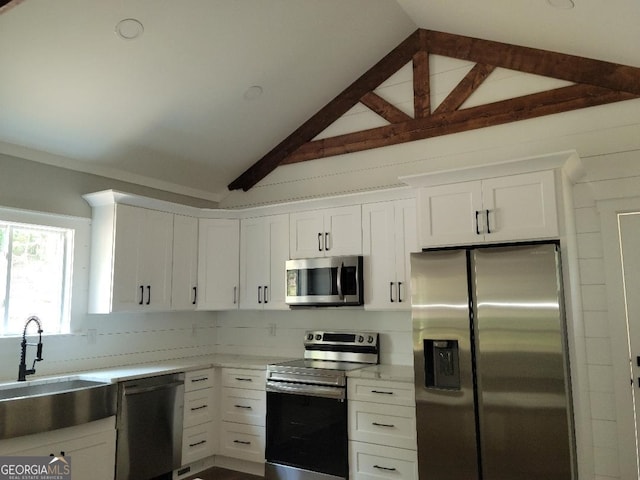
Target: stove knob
x=370, y=339
x=318, y=336
x=310, y=336
x=360, y=339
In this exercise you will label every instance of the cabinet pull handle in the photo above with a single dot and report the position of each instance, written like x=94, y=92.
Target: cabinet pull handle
x=235, y=297
x=488, y=227
x=242, y=442
x=148, y=294
x=195, y=295
x=387, y=425
x=193, y=409
x=246, y=407
x=388, y=469
x=260, y=294
x=201, y=379
x=391, y=292
x=399, y=292
x=381, y=392
x=141, y=295
x=240, y=379
x=265, y=294
x=326, y=241
x=201, y=442
x=477, y=225
x=320, y=242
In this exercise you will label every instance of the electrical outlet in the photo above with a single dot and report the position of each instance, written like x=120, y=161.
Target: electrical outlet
x=194, y=330
x=272, y=329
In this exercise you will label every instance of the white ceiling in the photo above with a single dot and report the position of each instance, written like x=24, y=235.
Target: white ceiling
x=167, y=110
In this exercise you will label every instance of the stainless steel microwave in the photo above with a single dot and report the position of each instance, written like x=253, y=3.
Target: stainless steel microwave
x=326, y=281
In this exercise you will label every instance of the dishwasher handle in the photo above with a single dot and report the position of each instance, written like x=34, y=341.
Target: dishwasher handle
x=133, y=390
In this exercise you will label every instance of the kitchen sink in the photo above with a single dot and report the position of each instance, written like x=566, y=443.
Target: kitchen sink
x=43, y=405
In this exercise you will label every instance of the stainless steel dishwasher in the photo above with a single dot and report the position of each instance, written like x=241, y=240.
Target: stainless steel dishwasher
x=149, y=427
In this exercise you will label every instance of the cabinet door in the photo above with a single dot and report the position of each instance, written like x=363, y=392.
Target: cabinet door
x=254, y=263
x=277, y=231
x=521, y=206
x=406, y=241
x=184, y=291
x=378, y=225
x=218, y=264
x=448, y=214
x=344, y=228
x=127, y=285
x=307, y=234
x=156, y=252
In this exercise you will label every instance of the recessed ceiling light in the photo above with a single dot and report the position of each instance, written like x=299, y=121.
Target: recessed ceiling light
x=561, y=3
x=129, y=29
x=252, y=92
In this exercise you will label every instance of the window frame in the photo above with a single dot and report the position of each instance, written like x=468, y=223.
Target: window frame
x=79, y=267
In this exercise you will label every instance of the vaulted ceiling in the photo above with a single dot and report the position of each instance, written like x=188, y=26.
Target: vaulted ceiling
x=210, y=87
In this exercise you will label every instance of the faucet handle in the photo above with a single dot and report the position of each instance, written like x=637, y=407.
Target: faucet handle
x=39, y=352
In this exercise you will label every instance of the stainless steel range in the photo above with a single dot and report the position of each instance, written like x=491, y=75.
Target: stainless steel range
x=307, y=406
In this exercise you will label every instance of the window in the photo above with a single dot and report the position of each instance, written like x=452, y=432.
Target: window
x=37, y=257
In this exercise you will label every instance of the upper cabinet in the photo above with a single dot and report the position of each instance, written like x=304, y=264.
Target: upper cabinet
x=264, y=249
x=184, y=293
x=389, y=236
x=218, y=264
x=131, y=259
x=514, y=207
x=323, y=233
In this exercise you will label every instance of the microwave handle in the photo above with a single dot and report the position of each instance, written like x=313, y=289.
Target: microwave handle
x=339, y=281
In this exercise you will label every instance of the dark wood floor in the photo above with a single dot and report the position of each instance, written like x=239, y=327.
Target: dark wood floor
x=217, y=473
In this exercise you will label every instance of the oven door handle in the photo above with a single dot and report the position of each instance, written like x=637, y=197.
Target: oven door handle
x=337, y=393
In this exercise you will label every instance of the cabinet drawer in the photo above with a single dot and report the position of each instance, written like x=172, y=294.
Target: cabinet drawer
x=379, y=391
x=245, y=442
x=382, y=425
x=198, y=407
x=244, y=378
x=198, y=379
x=197, y=442
x=373, y=462
x=244, y=406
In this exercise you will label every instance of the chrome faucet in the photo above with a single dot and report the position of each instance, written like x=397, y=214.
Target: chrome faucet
x=22, y=369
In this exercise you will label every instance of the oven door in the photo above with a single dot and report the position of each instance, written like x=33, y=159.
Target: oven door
x=305, y=432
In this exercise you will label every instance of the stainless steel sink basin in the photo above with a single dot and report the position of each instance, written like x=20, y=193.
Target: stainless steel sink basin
x=40, y=406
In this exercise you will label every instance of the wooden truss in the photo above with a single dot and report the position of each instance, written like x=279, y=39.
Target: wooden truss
x=594, y=83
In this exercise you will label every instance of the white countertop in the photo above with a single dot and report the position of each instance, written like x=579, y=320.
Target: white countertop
x=392, y=373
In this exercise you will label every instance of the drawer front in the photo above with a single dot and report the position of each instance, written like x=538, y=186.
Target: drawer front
x=373, y=462
x=243, y=378
x=198, y=442
x=382, y=424
x=198, y=407
x=244, y=406
x=245, y=442
x=379, y=391
x=198, y=379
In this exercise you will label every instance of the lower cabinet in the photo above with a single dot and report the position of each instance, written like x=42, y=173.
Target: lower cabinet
x=243, y=400
x=198, y=436
x=91, y=448
x=382, y=430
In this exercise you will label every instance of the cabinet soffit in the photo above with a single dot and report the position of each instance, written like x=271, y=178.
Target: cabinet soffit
x=588, y=83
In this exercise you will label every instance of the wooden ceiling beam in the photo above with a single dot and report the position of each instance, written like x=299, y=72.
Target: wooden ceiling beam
x=617, y=77
x=5, y=5
x=379, y=105
x=465, y=88
x=522, y=108
x=382, y=70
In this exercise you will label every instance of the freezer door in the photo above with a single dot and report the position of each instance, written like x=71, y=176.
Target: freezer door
x=523, y=405
x=446, y=426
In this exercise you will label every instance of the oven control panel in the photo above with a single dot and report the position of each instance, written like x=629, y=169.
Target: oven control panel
x=344, y=339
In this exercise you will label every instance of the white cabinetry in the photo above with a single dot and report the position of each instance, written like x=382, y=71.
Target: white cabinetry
x=382, y=430
x=199, y=434
x=515, y=207
x=218, y=264
x=264, y=249
x=91, y=447
x=389, y=235
x=330, y=232
x=184, y=291
x=242, y=430
x=131, y=259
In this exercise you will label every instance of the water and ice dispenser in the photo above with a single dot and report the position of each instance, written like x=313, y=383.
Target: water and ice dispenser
x=441, y=364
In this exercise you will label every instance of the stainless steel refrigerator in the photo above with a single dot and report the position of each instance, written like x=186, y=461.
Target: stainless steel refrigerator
x=491, y=369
